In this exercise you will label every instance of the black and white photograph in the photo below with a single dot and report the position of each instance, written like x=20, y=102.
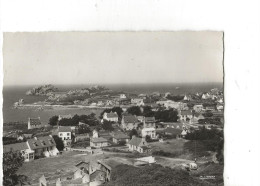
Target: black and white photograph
x=113, y=108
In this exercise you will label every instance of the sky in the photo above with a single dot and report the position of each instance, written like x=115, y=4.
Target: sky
x=112, y=57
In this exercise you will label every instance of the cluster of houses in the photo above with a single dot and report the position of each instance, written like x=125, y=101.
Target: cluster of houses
x=85, y=173
x=35, y=147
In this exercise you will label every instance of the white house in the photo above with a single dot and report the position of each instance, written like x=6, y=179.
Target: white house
x=122, y=96
x=34, y=123
x=149, y=132
x=43, y=146
x=64, y=117
x=138, y=144
x=129, y=122
x=112, y=116
x=185, y=114
x=137, y=101
x=23, y=147
x=65, y=135
x=97, y=141
x=198, y=108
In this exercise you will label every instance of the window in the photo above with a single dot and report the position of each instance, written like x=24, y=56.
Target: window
x=68, y=134
x=60, y=134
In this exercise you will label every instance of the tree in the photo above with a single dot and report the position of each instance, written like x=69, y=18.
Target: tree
x=12, y=161
x=59, y=143
x=53, y=120
x=135, y=110
x=148, y=138
x=107, y=125
x=133, y=132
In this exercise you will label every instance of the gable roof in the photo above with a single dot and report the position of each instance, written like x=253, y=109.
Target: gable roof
x=120, y=135
x=81, y=163
x=186, y=112
x=15, y=147
x=35, y=121
x=149, y=119
x=41, y=142
x=112, y=115
x=98, y=174
x=64, y=129
x=130, y=119
x=135, y=141
x=98, y=140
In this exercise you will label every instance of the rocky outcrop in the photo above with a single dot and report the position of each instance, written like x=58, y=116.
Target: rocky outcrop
x=41, y=90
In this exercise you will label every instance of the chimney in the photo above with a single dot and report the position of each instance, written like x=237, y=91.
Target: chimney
x=39, y=118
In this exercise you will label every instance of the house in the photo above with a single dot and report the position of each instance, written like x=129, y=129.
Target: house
x=206, y=96
x=98, y=142
x=137, y=101
x=149, y=122
x=220, y=107
x=129, y=122
x=198, y=108
x=112, y=116
x=122, y=96
x=140, y=118
x=43, y=146
x=65, y=134
x=149, y=132
x=83, y=124
x=211, y=108
x=176, y=125
x=187, y=98
x=34, y=123
x=23, y=148
x=175, y=132
x=185, y=114
x=86, y=174
x=64, y=117
x=119, y=137
x=138, y=144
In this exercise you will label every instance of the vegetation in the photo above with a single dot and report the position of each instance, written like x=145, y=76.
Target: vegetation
x=134, y=110
x=162, y=115
x=152, y=175
x=170, y=115
x=54, y=120
x=133, y=132
x=91, y=120
x=175, y=98
x=12, y=161
x=212, y=120
x=107, y=125
x=210, y=140
x=118, y=110
x=82, y=129
x=59, y=143
x=10, y=140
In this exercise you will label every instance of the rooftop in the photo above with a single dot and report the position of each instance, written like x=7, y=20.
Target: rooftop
x=64, y=129
x=35, y=121
x=15, y=147
x=41, y=142
x=98, y=140
x=130, y=119
x=135, y=141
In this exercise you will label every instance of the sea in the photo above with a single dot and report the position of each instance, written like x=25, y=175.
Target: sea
x=12, y=94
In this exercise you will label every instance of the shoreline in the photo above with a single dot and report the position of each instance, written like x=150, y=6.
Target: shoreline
x=43, y=106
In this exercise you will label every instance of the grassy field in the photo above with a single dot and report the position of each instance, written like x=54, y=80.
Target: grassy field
x=183, y=149
x=54, y=166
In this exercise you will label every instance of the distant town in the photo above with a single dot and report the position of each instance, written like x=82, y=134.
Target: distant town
x=176, y=139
